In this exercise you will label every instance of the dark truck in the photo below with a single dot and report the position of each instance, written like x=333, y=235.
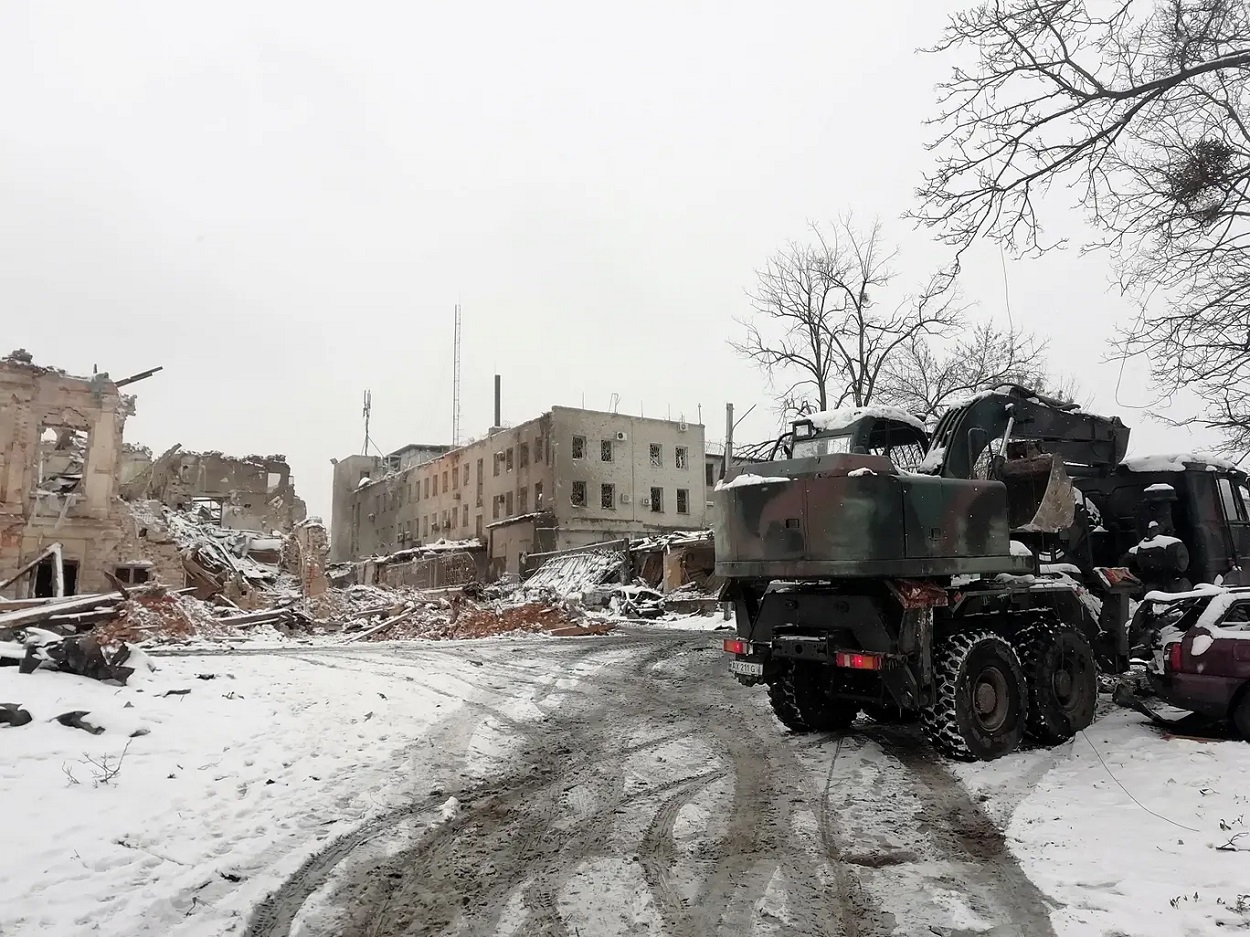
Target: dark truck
x=976, y=580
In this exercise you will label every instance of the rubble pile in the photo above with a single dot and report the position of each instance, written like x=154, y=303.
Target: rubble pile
x=463, y=617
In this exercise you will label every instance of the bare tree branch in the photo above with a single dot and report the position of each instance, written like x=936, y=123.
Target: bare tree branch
x=1140, y=108
x=821, y=321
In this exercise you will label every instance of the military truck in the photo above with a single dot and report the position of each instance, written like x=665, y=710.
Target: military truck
x=976, y=578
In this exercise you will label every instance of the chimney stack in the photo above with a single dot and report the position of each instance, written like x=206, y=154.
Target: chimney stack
x=498, y=401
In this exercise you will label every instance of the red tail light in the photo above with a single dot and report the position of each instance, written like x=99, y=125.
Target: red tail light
x=857, y=661
x=736, y=647
x=1174, y=657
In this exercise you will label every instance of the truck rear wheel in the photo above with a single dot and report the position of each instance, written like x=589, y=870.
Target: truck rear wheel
x=982, y=702
x=1062, y=678
x=803, y=699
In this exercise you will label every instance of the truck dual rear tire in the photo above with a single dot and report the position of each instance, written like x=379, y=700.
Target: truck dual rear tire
x=1062, y=677
x=982, y=702
x=802, y=698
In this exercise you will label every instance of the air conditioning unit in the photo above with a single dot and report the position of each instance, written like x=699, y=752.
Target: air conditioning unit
x=624, y=498
x=682, y=426
x=621, y=437
x=646, y=502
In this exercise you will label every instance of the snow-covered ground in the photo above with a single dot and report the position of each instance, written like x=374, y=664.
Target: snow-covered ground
x=227, y=787
x=1170, y=864
x=224, y=792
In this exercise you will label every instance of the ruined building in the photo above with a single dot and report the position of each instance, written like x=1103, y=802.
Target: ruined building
x=254, y=493
x=60, y=447
x=565, y=479
x=118, y=515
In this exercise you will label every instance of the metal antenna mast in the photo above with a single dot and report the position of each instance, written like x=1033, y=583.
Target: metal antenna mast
x=455, y=382
x=364, y=449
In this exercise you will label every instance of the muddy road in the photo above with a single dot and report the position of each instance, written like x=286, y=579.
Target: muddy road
x=633, y=788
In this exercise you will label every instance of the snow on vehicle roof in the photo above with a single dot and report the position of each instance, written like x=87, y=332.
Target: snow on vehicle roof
x=1175, y=462
x=830, y=420
x=746, y=479
x=1161, y=486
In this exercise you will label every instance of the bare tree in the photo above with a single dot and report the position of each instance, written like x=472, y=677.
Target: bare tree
x=925, y=381
x=1140, y=108
x=822, y=331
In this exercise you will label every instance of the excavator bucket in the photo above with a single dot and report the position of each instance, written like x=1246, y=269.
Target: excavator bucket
x=1040, y=496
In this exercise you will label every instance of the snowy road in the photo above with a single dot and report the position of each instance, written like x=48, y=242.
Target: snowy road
x=627, y=786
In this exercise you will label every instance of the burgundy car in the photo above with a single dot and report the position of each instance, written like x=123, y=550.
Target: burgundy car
x=1201, y=656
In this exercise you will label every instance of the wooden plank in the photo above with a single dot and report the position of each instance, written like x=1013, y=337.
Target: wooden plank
x=52, y=609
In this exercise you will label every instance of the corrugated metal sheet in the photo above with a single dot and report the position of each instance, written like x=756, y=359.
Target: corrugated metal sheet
x=575, y=573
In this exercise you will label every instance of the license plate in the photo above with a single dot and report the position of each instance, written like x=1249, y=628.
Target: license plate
x=746, y=668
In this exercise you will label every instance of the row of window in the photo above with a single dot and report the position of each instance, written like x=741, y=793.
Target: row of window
x=502, y=505
x=452, y=479
x=607, y=452
x=607, y=498
x=519, y=457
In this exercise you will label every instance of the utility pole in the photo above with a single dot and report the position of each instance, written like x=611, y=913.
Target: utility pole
x=729, y=439
x=368, y=408
x=455, y=382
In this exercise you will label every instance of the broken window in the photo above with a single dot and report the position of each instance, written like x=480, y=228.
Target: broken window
x=498, y=459
x=425, y=525
x=539, y=443
x=455, y=478
x=508, y=457
x=466, y=475
x=209, y=509
x=466, y=517
x=605, y=450
x=578, y=496
x=62, y=458
x=657, y=454
x=682, y=457
x=273, y=481
x=683, y=501
x=479, y=525
x=709, y=474
x=508, y=505
x=523, y=454
x=607, y=497
x=494, y=507
x=444, y=483
x=657, y=500
x=579, y=447
x=538, y=496
x=523, y=501
x=480, y=463
x=44, y=580
x=427, y=486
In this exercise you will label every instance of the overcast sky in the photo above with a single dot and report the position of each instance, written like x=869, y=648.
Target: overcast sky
x=282, y=202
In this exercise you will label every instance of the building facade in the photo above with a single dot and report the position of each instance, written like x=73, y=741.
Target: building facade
x=60, y=451
x=568, y=478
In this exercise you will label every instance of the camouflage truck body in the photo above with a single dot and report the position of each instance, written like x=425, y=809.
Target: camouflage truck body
x=863, y=584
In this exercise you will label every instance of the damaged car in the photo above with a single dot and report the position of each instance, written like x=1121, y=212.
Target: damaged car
x=1198, y=646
